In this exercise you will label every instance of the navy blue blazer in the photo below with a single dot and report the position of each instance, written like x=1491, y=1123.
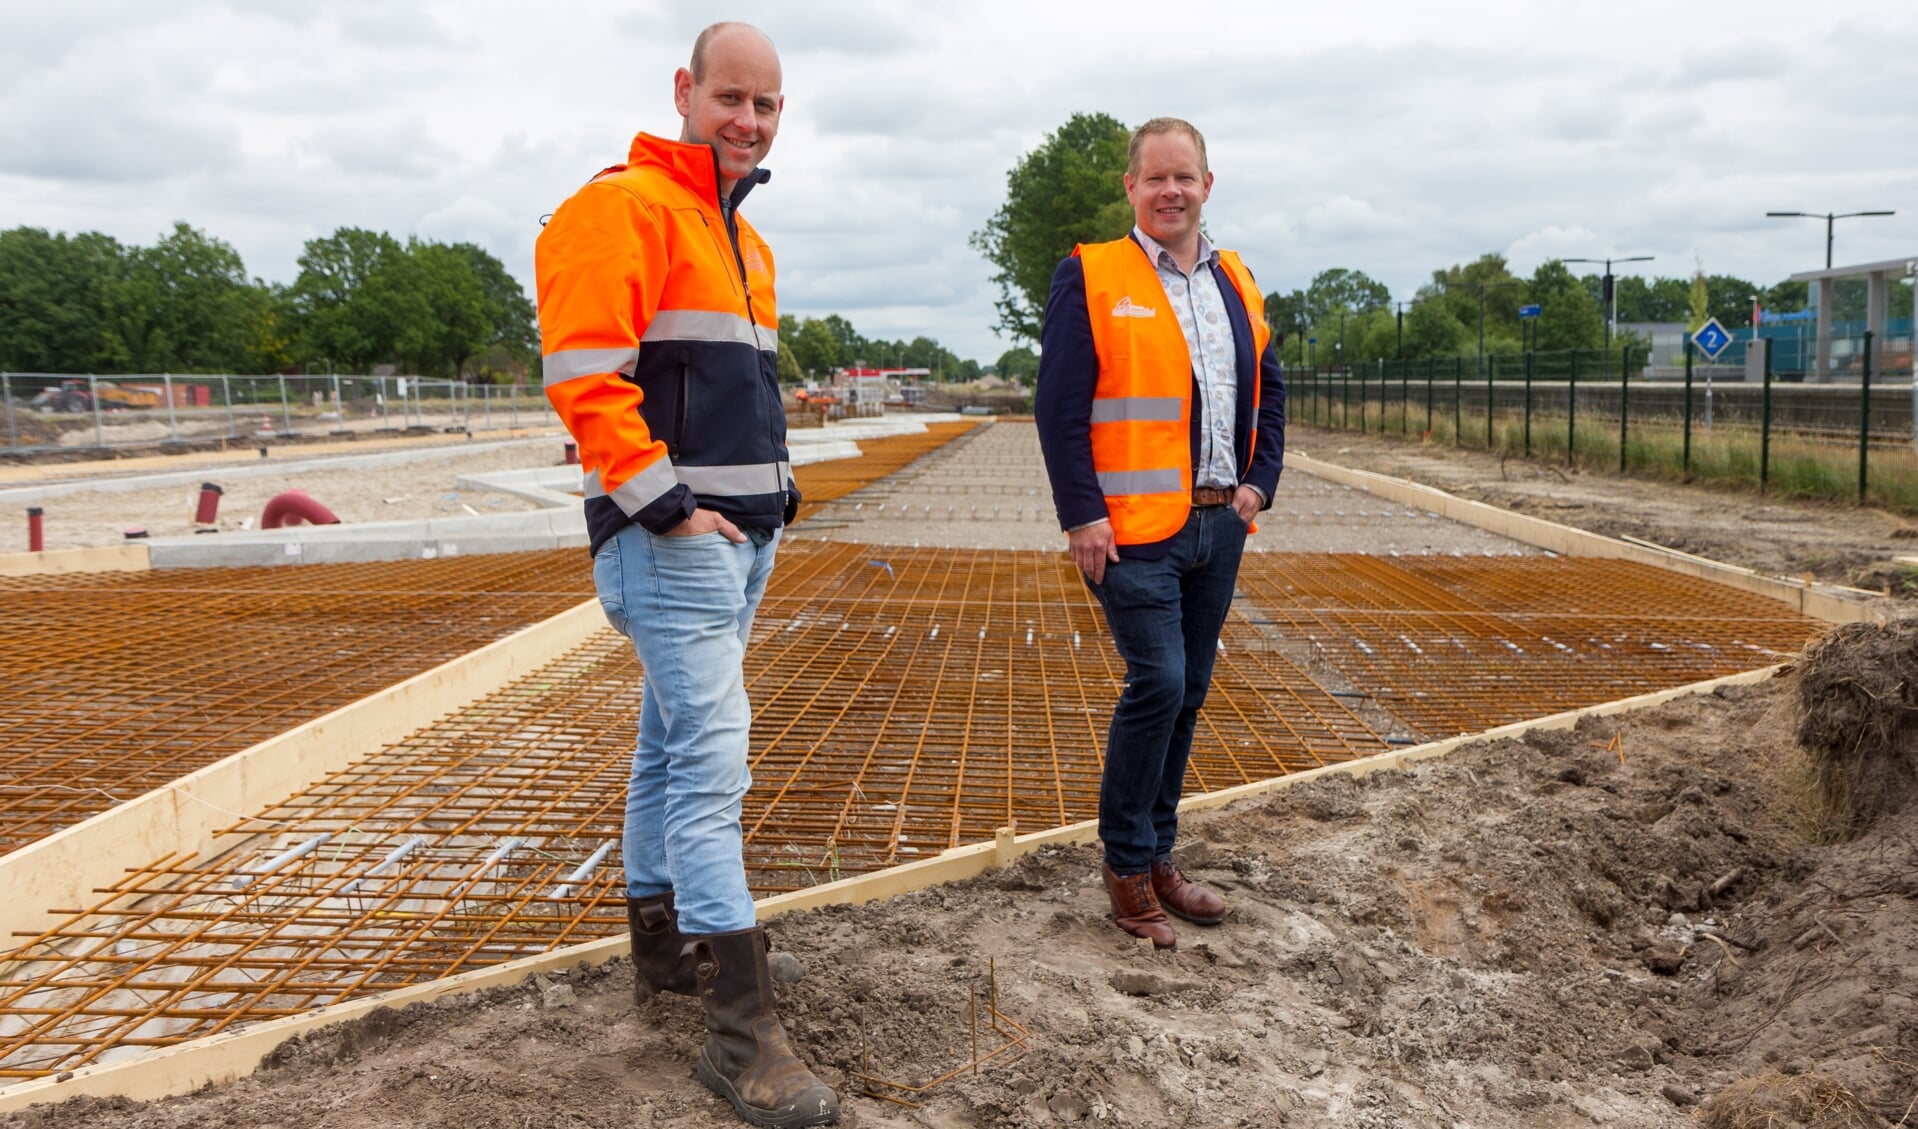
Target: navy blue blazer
x=1069, y=372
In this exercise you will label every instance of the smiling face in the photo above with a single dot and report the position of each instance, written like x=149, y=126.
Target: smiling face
x=733, y=105
x=1167, y=186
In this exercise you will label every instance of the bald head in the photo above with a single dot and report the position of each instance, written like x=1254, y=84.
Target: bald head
x=704, y=43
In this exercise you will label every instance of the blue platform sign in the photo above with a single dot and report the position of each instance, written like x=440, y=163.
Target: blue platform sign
x=1712, y=338
x=1311, y=341
x=1528, y=311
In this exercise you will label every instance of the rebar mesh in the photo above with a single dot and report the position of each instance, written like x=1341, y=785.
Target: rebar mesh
x=906, y=701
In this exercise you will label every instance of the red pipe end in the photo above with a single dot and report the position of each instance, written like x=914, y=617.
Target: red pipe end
x=209, y=509
x=572, y=454
x=36, y=536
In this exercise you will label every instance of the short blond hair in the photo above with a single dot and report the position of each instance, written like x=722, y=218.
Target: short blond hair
x=1163, y=125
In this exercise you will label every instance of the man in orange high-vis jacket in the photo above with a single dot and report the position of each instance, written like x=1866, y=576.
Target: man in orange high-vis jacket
x=659, y=335
x=1161, y=412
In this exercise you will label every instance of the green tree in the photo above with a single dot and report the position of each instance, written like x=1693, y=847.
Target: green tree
x=1644, y=300
x=1019, y=362
x=1568, y=315
x=1067, y=191
x=816, y=349
x=1287, y=313
x=448, y=318
x=1432, y=331
x=52, y=297
x=350, y=300
x=852, y=346
x=1460, y=290
x=1731, y=299
x=1701, y=302
x=789, y=370
x=515, y=326
x=1341, y=289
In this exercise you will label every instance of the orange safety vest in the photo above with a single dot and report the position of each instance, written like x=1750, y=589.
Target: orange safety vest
x=1142, y=404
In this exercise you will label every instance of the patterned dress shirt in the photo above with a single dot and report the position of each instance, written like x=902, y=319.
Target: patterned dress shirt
x=1208, y=339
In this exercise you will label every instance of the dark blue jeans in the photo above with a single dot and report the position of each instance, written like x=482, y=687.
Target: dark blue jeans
x=1165, y=617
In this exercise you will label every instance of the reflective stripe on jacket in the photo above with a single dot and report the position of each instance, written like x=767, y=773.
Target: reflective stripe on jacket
x=1142, y=403
x=659, y=342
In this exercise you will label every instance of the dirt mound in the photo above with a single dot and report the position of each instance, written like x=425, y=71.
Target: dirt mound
x=1858, y=688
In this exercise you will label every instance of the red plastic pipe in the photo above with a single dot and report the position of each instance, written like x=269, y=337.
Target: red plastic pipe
x=295, y=507
x=36, y=537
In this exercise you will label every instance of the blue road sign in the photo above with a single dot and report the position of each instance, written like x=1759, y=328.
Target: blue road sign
x=1311, y=341
x=1712, y=338
x=1528, y=311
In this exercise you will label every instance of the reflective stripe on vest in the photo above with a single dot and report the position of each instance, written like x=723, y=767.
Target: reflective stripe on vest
x=637, y=492
x=1117, y=409
x=737, y=481
x=571, y=364
x=1140, y=481
x=710, y=325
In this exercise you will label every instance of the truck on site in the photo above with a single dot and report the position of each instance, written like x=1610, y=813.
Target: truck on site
x=76, y=396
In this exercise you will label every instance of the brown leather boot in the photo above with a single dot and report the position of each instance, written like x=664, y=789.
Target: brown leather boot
x=1137, y=910
x=660, y=963
x=748, y=1059
x=1185, y=898
x=659, y=951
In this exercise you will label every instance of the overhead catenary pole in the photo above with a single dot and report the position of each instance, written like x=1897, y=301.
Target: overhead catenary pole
x=1830, y=218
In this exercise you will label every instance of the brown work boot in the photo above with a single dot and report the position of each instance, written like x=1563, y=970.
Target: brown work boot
x=1137, y=910
x=748, y=1059
x=660, y=963
x=1185, y=898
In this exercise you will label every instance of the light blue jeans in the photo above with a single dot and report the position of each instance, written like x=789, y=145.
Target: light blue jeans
x=687, y=604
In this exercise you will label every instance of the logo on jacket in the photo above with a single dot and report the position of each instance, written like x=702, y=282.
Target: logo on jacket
x=750, y=257
x=1125, y=309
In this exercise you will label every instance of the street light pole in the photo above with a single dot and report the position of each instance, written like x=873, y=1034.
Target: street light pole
x=1401, y=342
x=1611, y=291
x=1830, y=219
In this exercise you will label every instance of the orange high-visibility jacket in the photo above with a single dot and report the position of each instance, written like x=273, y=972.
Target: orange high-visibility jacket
x=659, y=341
x=1142, y=404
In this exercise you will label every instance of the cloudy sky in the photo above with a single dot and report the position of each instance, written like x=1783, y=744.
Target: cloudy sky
x=1394, y=137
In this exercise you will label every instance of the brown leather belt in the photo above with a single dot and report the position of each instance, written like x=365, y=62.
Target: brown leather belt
x=1212, y=495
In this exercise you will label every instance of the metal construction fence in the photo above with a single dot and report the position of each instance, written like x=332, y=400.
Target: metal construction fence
x=1585, y=407
x=63, y=411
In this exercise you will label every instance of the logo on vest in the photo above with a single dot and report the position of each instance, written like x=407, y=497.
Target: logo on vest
x=1125, y=309
x=750, y=256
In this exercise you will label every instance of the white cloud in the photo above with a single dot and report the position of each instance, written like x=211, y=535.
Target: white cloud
x=1395, y=139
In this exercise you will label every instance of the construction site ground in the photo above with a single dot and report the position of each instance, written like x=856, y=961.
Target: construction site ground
x=1603, y=926
x=1835, y=543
